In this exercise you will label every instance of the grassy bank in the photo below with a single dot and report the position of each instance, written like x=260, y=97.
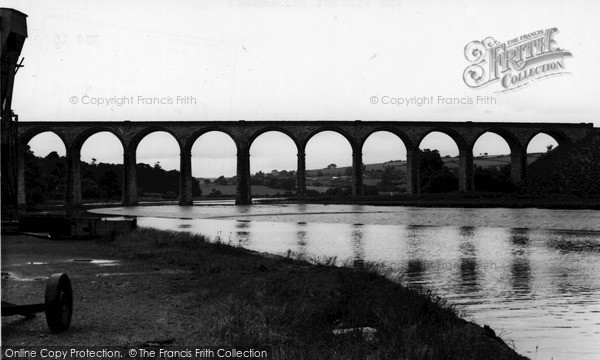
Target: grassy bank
x=249, y=299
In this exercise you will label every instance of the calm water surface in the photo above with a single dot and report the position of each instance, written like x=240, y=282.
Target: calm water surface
x=533, y=275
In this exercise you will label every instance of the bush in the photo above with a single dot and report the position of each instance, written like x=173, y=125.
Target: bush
x=170, y=195
x=214, y=193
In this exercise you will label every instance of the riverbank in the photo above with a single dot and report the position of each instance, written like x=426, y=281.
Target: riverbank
x=455, y=200
x=441, y=200
x=222, y=295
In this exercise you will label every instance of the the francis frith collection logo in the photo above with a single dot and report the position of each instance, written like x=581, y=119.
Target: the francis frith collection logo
x=516, y=62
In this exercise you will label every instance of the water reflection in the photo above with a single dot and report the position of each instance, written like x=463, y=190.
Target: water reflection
x=415, y=271
x=243, y=237
x=301, y=236
x=468, y=260
x=520, y=269
x=574, y=241
x=358, y=247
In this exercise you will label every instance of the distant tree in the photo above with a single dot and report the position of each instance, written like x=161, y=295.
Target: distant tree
x=311, y=192
x=109, y=184
x=287, y=183
x=493, y=179
x=196, y=190
x=46, y=179
x=170, y=195
x=338, y=191
x=214, y=193
x=206, y=181
x=90, y=189
x=430, y=161
x=221, y=180
x=435, y=177
x=332, y=166
x=549, y=147
x=258, y=178
x=369, y=190
x=53, y=156
x=387, y=176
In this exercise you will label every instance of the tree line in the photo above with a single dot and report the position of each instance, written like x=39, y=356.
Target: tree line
x=45, y=180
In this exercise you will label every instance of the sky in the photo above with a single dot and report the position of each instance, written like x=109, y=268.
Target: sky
x=290, y=60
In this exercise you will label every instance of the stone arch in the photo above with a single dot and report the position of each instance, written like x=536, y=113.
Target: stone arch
x=139, y=136
x=86, y=134
x=465, y=163
x=389, y=178
x=483, y=181
x=355, y=153
x=202, y=165
x=278, y=129
x=401, y=135
x=512, y=141
x=458, y=139
x=197, y=134
x=133, y=181
x=351, y=140
x=280, y=151
x=26, y=137
x=22, y=142
x=109, y=180
x=561, y=138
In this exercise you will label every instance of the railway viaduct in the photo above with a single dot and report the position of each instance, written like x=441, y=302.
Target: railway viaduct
x=243, y=133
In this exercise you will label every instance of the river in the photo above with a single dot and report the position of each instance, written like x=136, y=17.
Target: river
x=533, y=275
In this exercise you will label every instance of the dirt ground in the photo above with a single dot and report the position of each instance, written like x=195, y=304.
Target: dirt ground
x=120, y=303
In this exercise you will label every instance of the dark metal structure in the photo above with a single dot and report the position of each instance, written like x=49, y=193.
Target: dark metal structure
x=13, y=32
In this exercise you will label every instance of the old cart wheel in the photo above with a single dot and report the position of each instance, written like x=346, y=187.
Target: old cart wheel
x=59, y=302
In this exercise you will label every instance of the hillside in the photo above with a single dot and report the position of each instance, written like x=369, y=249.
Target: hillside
x=389, y=177
x=450, y=162
x=569, y=170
